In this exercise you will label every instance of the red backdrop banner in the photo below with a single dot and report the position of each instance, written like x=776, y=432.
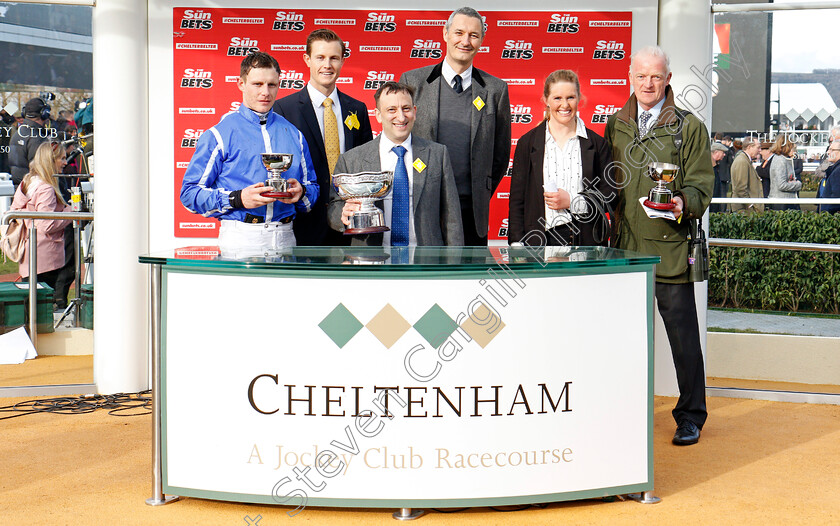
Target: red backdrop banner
x=520, y=47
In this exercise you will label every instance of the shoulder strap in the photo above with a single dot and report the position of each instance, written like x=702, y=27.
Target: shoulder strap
x=679, y=140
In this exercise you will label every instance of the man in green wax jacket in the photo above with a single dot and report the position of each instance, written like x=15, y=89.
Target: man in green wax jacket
x=650, y=128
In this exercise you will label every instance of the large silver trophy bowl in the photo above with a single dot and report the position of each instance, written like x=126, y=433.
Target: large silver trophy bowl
x=659, y=197
x=366, y=187
x=276, y=164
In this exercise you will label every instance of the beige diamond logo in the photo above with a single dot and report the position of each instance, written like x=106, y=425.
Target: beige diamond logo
x=388, y=326
x=483, y=325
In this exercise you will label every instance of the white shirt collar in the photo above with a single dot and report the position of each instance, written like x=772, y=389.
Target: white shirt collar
x=318, y=98
x=385, y=144
x=448, y=74
x=580, y=130
x=654, y=112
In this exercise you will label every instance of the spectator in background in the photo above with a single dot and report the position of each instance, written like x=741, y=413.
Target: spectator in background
x=28, y=137
x=825, y=162
x=38, y=192
x=719, y=152
x=722, y=171
x=763, y=169
x=783, y=182
x=830, y=185
x=745, y=180
x=7, y=123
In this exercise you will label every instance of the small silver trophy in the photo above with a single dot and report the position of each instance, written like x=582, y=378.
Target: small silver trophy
x=366, y=187
x=276, y=164
x=659, y=197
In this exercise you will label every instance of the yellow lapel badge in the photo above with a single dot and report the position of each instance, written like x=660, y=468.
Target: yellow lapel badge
x=478, y=103
x=419, y=165
x=352, y=122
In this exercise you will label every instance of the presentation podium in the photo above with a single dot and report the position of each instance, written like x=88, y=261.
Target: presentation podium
x=402, y=377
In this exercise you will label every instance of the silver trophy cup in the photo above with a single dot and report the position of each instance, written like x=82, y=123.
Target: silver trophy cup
x=366, y=187
x=276, y=164
x=659, y=197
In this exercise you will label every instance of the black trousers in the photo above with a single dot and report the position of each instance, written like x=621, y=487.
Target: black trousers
x=67, y=273
x=676, y=305
x=472, y=238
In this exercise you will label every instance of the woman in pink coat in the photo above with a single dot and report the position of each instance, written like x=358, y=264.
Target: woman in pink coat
x=39, y=192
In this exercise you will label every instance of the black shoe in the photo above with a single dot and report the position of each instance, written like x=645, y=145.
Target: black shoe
x=687, y=433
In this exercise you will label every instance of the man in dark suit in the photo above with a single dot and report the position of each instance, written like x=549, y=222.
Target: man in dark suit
x=423, y=208
x=468, y=111
x=306, y=110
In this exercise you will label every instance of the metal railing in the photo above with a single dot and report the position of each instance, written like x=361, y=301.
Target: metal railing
x=76, y=217
x=778, y=200
x=782, y=245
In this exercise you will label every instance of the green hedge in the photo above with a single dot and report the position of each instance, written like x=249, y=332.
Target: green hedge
x=772, y=279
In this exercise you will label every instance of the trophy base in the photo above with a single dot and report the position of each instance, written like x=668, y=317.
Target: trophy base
x=365, y=230
x=277, y=195
x=659, y=206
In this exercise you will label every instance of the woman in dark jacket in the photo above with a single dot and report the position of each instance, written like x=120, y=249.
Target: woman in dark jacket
x=553, y=163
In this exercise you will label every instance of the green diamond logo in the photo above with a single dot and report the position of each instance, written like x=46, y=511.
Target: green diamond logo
x=340, y=325
x=435, y=326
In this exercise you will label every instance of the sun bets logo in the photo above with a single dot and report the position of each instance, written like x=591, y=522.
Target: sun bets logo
x=288, y=21
x=518, y=49
x=242, y=46
x=602, y=113
x=196, y=78
x=608, y=50
x=375, y=79
x=520, y=114
x=426, y=49
x=196, y=19
x=291, y=79
x=191, y=136
x=503, y=229
x=563, y=24
x=380, y=22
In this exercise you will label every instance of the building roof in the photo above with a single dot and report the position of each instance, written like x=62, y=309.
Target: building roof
x=804, y=100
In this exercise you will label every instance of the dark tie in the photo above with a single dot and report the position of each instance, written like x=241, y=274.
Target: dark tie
x=458, y=86
x=643, y=122
x=400, y=204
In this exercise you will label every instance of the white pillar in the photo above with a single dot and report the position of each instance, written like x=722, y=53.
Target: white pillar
x=685, y=33
x=120, y=85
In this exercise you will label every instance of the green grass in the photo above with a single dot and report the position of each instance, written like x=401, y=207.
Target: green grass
x=7, y=267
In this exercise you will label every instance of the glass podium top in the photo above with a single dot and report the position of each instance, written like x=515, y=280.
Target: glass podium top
x=401, y=259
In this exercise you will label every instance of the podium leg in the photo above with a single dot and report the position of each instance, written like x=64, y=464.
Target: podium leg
x=646, y=497
x=405, y=514
x=157, y=498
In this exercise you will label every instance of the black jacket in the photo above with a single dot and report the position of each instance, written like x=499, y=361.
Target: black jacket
x=22, y=146
x=527, y=204
x=311, y=229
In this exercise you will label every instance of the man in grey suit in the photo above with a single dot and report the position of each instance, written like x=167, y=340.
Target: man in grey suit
x=468, y=111
x=423, y=208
